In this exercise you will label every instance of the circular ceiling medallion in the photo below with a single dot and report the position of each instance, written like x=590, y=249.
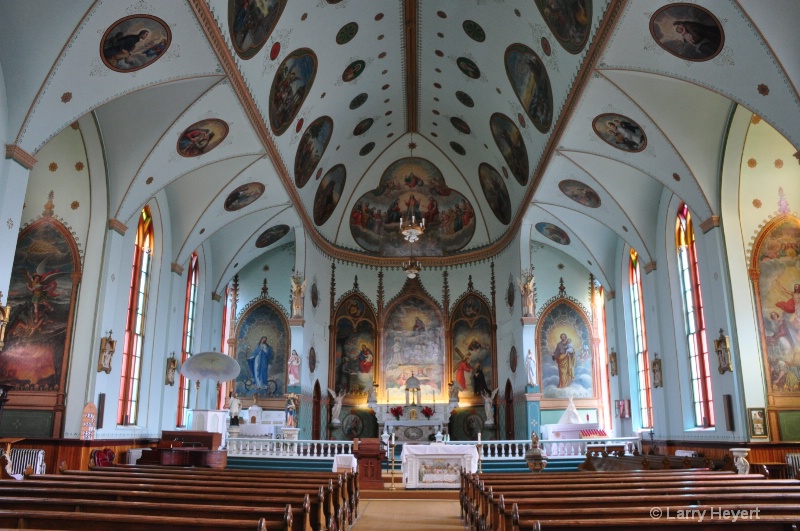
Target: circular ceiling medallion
x=251, y=23
x=465, y=99
x=134, y=42
x=299, y=125
x=358, y=101
x=363, y=126
x=346, y=33
x=201, y=137
x=378, y=17
x=511, y=145
x=319, y=173
x=353, y=70
x=312, y=146
x=271, y=235
x=367, y=149
x=460, y=125
x=521, y=119
x=531, y=84
x=274, y=51
x=496, y=193
x=353, y=426
x=458, y=148
x=553, y=232
x=620, y=131
x=570, y=21
x=441, y=14
x=243, y=196
x=687, y=31
x=290, y=87
x=474, y=30
x=505, y=172
x=579, y=192
x=328, y=193
x=468, y=67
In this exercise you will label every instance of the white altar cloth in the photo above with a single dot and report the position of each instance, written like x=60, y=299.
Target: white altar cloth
x=341, y=461
x=437, y=466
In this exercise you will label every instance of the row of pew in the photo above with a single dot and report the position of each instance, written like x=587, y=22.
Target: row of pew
x=629, y=499
x=154, y=498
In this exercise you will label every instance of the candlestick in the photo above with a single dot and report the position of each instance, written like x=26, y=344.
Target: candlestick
x=393, y=439
x=479, y=436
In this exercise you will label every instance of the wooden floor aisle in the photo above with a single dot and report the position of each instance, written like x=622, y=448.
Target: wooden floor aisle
x=408, y=514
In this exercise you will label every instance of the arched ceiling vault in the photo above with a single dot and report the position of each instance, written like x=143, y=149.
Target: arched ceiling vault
x=259, y=118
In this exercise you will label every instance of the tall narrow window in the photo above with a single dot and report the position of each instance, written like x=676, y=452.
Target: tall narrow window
x=130, y=377
x=640, y=343
x=188, y=338
x=695, y=329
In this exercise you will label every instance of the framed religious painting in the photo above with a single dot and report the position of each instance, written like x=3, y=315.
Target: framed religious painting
x=757, y=420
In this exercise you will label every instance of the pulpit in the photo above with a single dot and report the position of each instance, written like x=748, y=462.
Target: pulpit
x=370, y=455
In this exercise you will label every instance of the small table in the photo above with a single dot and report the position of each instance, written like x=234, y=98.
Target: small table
x=345, y=463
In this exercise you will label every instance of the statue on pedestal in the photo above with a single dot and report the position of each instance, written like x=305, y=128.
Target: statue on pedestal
x=530, y=364
x=235, y=408
x=526, y=288
x=488, y=399
x=336, y=408
x=298, y=290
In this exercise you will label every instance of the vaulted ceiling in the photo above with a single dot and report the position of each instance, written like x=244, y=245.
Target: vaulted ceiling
x=256, y=117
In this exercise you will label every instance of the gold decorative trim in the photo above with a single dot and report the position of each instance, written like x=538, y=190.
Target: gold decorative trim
x=20, y=156
x=219, y=45
x=117, y=226
x=650, y=267
x=175, y=268
x=710, y=223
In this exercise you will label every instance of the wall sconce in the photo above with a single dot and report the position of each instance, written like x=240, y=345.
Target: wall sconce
x=722, y=346
x=107, y=348
x=172, y=368
x=5, y=314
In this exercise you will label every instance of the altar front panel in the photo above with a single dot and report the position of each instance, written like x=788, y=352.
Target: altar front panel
x=437, y=466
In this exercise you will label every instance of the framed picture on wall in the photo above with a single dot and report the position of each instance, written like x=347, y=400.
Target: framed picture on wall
x=758, y=422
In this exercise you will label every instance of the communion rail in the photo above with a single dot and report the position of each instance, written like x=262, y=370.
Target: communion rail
x=491, y=450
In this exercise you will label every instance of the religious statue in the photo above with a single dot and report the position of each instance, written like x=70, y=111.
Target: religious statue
x=235, y=407
x=294, y=368
x=658, y=380
x=527, y=291
x=530, y=364
x=298, y=290
x=336, y=408
x=455, y=387
x=488, y=399
x=172, y=369
x=291, y=410
x=372, y=397
x=107, y=348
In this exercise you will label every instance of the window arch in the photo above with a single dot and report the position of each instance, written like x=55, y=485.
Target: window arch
x=130, y=377
x=695, y=324
x=640, y=343
x=187, y=346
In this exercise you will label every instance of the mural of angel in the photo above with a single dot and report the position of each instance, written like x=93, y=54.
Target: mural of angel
x=336, y=408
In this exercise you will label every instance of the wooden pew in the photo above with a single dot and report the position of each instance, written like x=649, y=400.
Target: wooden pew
x=259, y=494
x=27, y=519
x=605, y=462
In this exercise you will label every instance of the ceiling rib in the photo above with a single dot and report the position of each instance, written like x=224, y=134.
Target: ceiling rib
x=410, y=34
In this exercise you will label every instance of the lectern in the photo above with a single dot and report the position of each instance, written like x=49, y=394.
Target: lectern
x=370, y=455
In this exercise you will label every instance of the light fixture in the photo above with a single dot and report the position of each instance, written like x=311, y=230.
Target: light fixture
x=412, y=230
x=412, y=268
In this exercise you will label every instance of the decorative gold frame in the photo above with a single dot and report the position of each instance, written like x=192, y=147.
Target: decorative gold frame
x=172, y=370
x=722, y=346
x=753, y=423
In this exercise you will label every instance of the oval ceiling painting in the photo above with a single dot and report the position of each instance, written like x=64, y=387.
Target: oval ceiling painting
x=580, y=193
x=620, y=132
x=329, y=193
x=271, y=235
x=243, y=196
x=465, y=98
x=363, y=126
x=496, y=192
x=460, y=125
x=511, y=145
x=134, y=42
x=251, y=23
x=688, y=31
x=553, y=232
x=468, y=67
x=530, y=81
x=353, y=70
x=569, y=20
x=358, y=101
x=201, y=137
x=311, y=148
x=412, y=186
x=290, y=88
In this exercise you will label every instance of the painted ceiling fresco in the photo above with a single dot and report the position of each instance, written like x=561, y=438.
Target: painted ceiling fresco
x=317, y=100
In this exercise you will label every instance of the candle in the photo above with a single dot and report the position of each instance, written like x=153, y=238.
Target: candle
x=479, y=437
x=393, y=439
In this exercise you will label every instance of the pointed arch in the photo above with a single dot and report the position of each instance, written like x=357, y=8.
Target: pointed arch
x=354, y=351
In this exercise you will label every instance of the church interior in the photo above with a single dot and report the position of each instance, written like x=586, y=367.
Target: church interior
x=413, y=221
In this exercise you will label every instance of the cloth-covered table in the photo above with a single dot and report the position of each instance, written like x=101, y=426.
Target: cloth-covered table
x=437, y=465
x=345, y=461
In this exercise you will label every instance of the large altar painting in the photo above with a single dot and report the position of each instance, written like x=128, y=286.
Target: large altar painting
x=778, y=298
x=262, y=346
x=353, y=357
x=409, y=187
x=413, y=343
x=40, y=295
x=565, y=355
x=473, y=348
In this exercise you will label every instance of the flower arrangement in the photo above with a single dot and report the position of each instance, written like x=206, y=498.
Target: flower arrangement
x=427, y=411
x=397, y=411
